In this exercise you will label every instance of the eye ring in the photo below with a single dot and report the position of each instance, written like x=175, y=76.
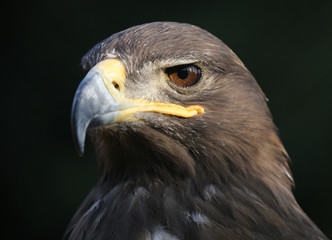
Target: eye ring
x=184, y=75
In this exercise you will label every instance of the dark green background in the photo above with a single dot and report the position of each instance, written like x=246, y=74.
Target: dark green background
x=286, y=45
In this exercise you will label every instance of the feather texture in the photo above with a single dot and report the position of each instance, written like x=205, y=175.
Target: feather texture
x=220, y=175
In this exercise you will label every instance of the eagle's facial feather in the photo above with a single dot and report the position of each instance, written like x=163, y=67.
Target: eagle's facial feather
x=221, y=174
x=235, y=129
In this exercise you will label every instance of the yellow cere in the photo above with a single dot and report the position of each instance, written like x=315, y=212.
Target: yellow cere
x=114, y=73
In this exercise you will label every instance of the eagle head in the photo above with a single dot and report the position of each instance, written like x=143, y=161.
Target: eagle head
x=184, y=140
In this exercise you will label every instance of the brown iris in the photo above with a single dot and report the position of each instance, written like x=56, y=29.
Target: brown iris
x=184, y=76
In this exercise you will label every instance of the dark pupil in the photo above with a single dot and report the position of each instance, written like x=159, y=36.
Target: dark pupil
x=183, y=73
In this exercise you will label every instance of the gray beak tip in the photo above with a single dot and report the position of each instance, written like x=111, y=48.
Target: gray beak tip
x=80, y=144
x=80, y=151
x=79, y=133
x=93, y=106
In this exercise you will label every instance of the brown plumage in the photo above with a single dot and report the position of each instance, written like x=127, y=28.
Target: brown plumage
x=221, y=174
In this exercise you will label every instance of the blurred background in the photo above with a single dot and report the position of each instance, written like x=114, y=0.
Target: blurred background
x=286, y=45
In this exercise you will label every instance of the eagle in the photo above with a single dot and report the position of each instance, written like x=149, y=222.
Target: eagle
x=184, y=140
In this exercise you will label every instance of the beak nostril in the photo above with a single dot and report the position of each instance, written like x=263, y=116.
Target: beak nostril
x=117, y=87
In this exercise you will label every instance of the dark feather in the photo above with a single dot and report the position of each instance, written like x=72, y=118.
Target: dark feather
x=221, y=175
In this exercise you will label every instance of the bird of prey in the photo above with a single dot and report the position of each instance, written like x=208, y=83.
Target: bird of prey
x=184, y=140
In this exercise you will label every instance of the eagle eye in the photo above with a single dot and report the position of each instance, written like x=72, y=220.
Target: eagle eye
x=185, y=75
